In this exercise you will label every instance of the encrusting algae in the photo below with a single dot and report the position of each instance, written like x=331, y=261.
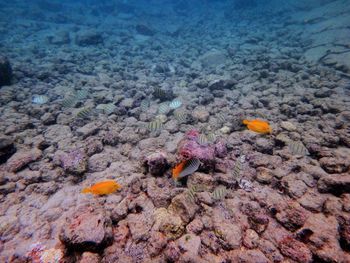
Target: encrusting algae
x=102, y=188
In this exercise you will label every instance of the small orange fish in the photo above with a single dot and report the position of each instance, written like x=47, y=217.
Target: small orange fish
x=102, y=188
x=178, y=169
x=185, y=168
x=257, y=125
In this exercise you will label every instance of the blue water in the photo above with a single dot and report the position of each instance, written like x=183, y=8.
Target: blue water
x=126, y=90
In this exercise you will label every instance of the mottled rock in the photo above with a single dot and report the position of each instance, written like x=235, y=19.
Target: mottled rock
x=288, y=126
x=169, y=224
x=139, y=226
x=295, y=249
x=98, y=162
x=120, y=211
x=270, y=250
x=253, y=255
x=156, y=163
x=7, y=148
x=87, y=230
x=89, y=129
x=332, y=205
x=88, y=38
x=264, y=175
x=321, y=237
x=88, y=257
x=200, y=114
x=196, y=226
x=295, y=188
x=312, y=201
x=335, y=184
x=213, y=59
x=22, y=158
x=159, y=195
x=189, y=244
x=145, y=30
x=184, y=207
x=292, y=216
x=251, y=239
x=74, y=162
x=5, y=71
x=156, y=243
x=335, y=165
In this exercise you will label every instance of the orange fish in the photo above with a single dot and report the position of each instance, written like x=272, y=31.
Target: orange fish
x=178, y=169
x=185, y=168
x=257, y=125
x=102, y=188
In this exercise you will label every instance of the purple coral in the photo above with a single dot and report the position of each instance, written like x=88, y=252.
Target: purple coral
x=190, y=148
x=74, y=162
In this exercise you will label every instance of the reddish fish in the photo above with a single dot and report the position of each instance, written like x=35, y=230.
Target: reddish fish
x=102, y=188
x=257, y=125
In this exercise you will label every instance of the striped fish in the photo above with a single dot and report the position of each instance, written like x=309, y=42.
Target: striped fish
x=191, y=193
x=155, y=125
x=40, y=99
x=202, y=139
x=181, y=116
x=84, y=113
x=221, y=117
x=159, y=93
x=211, y=137
x=237, y=168
x=145, y=105
x=176, y=103
x=106, y=108
x=82, y=94
x=297, y=148
x=219, y=193
x=185, y=168
x=69, y=102
x=163, y=108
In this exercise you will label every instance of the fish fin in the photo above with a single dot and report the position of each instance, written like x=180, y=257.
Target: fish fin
x=245, y=122
x=86, y=190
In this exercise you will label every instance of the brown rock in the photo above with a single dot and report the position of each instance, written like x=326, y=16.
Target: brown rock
x=87, y=230
x=335, y=184
x=139, y=226
x=251, y=239
x=22, y=158
x=184, y=207
x=292, y=216
x=189, y=244
x=312, y=201
x=269, y=249
x=253, y=255
x=263, y=175
x=196, y=226
x=88, y=257
x=335, y=165
x=156, y=243
x=156, y=163
x=295, y=249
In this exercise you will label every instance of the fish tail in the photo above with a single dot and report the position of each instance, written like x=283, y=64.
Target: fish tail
x=245, y=122
x=86, y=190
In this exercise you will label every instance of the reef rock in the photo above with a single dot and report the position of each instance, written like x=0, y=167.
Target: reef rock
x=88, y=38
x=156, y=163
x=21, y=158
x=7, y=148
x=87, y=230
x=74, y=162
x=5, y=71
